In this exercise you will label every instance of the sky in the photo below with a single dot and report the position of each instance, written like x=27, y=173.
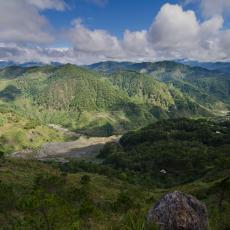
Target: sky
x=89, y=31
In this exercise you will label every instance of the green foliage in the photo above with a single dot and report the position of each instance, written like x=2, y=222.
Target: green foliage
x=136, y=220
x=124, y=202
x=116, y=191
x=18, y=133
x=101, y=105
x=10, y=93
x=36, y=196
x=1, y=154
x=85, y=180
x=143, y=88
x=172, y=151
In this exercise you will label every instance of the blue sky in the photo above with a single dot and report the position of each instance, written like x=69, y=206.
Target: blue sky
x=115, y=16
x=86, y=31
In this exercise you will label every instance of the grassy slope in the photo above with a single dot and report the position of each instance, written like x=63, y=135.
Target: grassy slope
x=35, y=195
x=67, y=203
x=18, y=133
x=195, y=155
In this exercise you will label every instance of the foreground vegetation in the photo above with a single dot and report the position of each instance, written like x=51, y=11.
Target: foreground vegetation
x=116, y=193
x=36, y=196
x=172, y=152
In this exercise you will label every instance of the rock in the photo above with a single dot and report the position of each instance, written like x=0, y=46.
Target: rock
x=179, y=211
x=163, y=171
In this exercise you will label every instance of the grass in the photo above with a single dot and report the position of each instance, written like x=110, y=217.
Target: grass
x=18, y=133
x=101, y=203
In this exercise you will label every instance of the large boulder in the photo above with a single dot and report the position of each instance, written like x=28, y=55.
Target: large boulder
x=178, y=211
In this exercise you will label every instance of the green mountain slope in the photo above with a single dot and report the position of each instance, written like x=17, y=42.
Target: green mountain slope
x=72, y=96
x=206, y=87
x=91, y=102
x=184, y=149
x=143, y=88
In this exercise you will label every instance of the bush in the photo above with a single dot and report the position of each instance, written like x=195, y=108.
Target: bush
x=124, y=202
x=85, y=180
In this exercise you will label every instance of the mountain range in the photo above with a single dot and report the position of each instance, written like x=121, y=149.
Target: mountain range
x=112, y=97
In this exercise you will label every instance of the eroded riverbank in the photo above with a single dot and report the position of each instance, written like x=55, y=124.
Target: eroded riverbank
x=84, y=147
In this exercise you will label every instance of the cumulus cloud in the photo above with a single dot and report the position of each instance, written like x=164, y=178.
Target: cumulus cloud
x=93, y=41
x=173, y=27
x=21, y=54
x=22, y=22
x=136, y=44
x=215, y=7
x=174, y=33
x=185, y=36
x=211, y=8
x=103, y=46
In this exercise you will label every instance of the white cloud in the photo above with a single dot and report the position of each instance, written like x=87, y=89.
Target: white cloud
x=185, y=36
x=173, y=27
x=93, y=41
x=215, y=7
x=174, y=33
x=136, y=44
x=48, y=4
x=22, y=22
x=20, y=54
x=211, y=8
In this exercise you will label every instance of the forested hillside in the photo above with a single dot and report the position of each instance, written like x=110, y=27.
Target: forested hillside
x=101, y=104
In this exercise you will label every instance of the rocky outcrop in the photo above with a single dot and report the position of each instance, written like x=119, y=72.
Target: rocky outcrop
x=178, y=211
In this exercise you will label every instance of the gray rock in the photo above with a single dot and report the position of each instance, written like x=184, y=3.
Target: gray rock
x=178, y=211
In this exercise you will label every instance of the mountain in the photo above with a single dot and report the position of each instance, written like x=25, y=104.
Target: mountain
x=71, y=96
x=196, y=82
x=109, y=66
x=218, y=66
x=104, y=103
x=167, y=101
x=209, y=88
x=144, y=67
x=4, y=64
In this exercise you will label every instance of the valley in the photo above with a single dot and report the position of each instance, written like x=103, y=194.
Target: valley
x=96, y=146
x=84, y=147
x=114, y=115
